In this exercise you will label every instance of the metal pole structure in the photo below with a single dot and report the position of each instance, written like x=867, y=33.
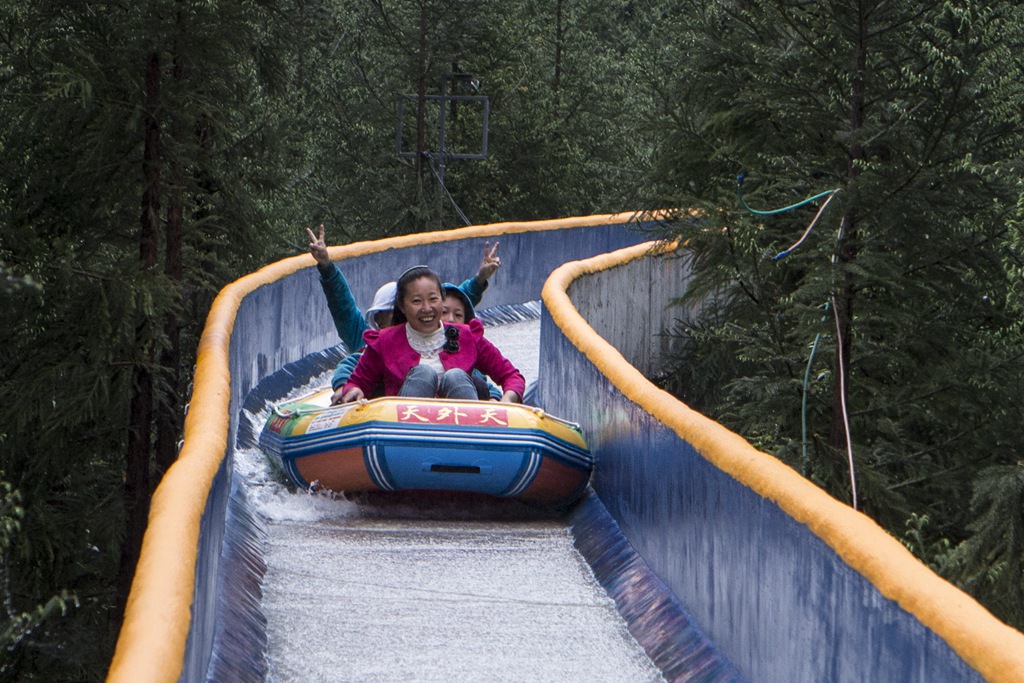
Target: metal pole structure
x=442, y=155
x=442, y=117
x=421, y=99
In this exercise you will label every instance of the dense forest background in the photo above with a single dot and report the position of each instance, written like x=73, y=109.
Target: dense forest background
x=153, y=151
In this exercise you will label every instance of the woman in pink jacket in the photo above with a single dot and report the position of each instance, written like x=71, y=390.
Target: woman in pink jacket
x=423, y=357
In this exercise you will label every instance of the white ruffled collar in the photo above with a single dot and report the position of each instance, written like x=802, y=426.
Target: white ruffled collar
x=427, y=345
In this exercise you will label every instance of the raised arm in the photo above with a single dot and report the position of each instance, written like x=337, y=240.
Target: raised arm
x=475, y=286
x=348, y=319
x=490, y=263
x=318, y=248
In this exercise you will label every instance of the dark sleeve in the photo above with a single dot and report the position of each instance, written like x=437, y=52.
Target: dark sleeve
x=369, y=371
x=473, y=290
x=344, y=370
x=348, y=319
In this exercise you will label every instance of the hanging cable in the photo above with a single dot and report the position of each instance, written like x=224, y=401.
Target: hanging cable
x=842, y=401
x=440, y=181
x=805, y=460
x=842, y=374
x=739, y=191
x=787, y=252
x=814, y=346
x=783, y=254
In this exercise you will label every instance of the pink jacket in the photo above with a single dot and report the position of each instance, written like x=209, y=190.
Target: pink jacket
x=388, y=358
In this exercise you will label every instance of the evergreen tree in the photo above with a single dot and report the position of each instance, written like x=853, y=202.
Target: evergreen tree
x=16, y=626
x=140, y=146
x=152, y=152
x=990, y=564
x=879, y=354
x=563, y=99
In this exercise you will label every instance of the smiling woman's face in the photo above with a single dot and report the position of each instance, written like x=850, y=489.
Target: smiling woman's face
x=421, y=305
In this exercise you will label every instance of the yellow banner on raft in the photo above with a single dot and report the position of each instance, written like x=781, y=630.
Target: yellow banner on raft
x=314, y=414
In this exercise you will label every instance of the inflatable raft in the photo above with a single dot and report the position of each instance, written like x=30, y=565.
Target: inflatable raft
x=401, y=444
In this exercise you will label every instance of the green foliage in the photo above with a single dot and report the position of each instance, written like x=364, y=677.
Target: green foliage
x=912, y=273
x=17, y=626
x=990, y=564
x=11, y=284
x=256, y=120
x=71, y=184
x=271, y=116
x=557, y=146
x=918, y=539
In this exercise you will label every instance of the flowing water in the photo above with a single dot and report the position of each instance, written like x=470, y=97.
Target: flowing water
x=399, y=588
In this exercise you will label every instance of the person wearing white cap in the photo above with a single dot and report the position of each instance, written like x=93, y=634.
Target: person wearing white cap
x=378, y=315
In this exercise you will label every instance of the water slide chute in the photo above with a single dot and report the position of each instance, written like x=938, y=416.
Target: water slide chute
x=787, y=582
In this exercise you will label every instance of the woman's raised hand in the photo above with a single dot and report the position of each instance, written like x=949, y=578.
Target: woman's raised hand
x=490, y=263
x=318, y=248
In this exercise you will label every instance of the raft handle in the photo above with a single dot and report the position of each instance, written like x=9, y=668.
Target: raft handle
x=540, y=412
x=455, y=469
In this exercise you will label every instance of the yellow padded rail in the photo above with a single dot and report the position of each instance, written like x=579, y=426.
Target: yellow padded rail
x=988, y=645
x=151, y=644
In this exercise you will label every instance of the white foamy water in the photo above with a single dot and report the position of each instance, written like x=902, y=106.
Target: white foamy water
x=393, y=589
x=357, y=599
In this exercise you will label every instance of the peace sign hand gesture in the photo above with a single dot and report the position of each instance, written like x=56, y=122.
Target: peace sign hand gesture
x=490, y=263
x=318, y=248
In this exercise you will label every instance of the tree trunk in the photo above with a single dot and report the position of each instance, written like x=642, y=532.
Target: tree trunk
x=559, y=39
x=137, y=479
x=168, y=418
x=420, y=215
x=421, y=93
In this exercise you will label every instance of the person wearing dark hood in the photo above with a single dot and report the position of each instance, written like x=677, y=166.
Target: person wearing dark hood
x=457, y=308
